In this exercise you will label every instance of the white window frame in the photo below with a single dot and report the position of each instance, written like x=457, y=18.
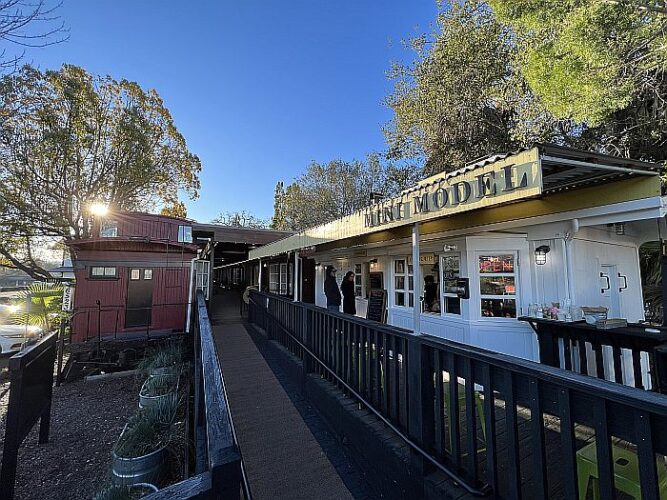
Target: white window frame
x=274, y=278
x=517, y=284
x=444, y=294
x=359, y=287
x=406, y=290
x=108, y=273
x=184, y=234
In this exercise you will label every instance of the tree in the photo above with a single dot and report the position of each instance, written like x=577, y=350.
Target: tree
x=601, y=64
x=28, y=24
x=69, y=139
x=240, y=219
x=448, y=106
x=177, y=209
x=328, y=191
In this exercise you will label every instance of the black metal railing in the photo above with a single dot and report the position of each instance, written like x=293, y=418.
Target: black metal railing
x=219, y=471
x=630, y=356
x=30, y=393
x=495, y=423
x=107, y=321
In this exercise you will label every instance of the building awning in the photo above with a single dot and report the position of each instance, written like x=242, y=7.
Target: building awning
x=542, y=179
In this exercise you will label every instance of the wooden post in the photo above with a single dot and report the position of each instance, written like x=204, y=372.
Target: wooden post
x=61, y=347
x=421, y=396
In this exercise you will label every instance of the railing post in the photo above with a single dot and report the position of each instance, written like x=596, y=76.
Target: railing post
x=420, y=402
x=307, y=330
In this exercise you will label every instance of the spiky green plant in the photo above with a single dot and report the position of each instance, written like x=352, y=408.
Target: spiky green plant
x=170, y=355
x=40, y=305
x=149, y=430
x=159, y=385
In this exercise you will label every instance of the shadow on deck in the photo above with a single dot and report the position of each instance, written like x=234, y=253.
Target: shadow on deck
x=288, y=451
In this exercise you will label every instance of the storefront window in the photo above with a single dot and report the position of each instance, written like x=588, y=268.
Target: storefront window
x=274, y=278
x=451, y=271
x=430, y=272
x=497, y=285
x=357, y=280
x=403, y=284
x=283, y=279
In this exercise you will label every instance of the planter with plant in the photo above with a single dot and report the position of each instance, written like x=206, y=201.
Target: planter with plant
x=158, y=388
x=166, y=360
x=143, y=448
x=130, y=492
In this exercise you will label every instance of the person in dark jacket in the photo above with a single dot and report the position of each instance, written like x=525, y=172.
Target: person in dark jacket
x=331, y=290
x=430, y=293
x=347, y=287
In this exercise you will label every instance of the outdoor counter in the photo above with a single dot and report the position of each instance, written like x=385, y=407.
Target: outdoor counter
x=633, y=337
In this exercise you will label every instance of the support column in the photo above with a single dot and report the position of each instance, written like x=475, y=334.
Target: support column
x=417, y=279
x=296, y=287
x=211, y=270
x=259, y=277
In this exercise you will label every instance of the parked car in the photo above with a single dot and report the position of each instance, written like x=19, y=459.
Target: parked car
x=12, y=337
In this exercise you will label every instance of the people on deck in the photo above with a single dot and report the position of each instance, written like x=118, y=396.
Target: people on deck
x=331, y=290
x=347, y=287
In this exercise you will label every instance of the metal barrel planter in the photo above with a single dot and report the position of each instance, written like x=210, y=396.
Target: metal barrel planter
x=150, y=468
x=146, y=400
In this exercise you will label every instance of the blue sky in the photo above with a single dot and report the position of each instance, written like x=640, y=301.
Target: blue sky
x=258, y=88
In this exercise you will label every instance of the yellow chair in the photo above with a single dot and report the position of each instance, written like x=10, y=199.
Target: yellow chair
x=462, y=400
x=626, y=472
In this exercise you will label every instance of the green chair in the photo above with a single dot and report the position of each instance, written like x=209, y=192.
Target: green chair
x=626, y=472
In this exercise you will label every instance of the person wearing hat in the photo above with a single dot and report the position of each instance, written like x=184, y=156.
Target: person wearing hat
x=331, y=290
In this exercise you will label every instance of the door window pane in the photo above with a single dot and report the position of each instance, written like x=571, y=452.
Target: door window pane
x=495, y=264
x=135, y=274
x=497, y=285
x=451, y=271
x=499, y=308
x=148, y=274
x=400, y=284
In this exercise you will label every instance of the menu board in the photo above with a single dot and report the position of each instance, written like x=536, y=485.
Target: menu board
x=376, y=280
x=377, y=305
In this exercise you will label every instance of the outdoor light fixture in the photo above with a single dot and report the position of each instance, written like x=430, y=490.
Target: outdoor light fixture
x=99, y=209
x=541, y=255
x=619, y=228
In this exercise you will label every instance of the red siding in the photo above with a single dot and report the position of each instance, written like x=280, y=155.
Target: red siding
x=148, y=226
x=170, y=297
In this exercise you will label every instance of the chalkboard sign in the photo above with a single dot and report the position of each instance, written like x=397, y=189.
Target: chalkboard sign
x=377, y=305
x=376, y=280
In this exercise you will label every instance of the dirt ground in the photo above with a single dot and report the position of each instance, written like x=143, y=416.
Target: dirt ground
x=86, y=420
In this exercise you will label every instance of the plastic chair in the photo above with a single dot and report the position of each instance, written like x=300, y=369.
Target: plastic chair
x=626, y=472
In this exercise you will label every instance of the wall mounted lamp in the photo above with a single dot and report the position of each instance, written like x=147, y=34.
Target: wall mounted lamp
x=541, y=254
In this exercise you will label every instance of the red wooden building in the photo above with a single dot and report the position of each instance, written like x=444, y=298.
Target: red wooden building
x=133, y=277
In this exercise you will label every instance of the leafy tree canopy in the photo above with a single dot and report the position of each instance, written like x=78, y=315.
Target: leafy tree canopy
x=327, y=191
x=69, y=139
x=447, y=104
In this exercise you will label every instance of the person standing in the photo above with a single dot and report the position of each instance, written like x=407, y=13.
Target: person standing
x=331, y=290
x=347, y=287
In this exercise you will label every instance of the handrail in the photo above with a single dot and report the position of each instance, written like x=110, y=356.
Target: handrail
x=405, y=380
x=453, y=475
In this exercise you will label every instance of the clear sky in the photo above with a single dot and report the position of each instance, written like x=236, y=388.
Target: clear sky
x=258, y=88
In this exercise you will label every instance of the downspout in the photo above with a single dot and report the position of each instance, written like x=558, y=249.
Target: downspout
x=192, y=278
x=569, y=266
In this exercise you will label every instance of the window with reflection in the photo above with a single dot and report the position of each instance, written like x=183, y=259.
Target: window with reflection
x=451, y=271
x=403, y=284
x=430, y=273
x=497, y=285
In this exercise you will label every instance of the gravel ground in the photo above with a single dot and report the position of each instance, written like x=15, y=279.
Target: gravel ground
x=86, y=420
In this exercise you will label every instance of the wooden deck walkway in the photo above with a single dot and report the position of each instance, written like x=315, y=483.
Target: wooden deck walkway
x=284, y=459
